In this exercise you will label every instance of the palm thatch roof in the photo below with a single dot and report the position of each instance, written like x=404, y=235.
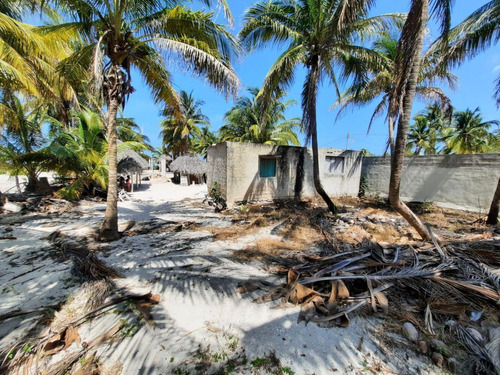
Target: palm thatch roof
x=166, y=157
x=131, y=161
x=189, y=164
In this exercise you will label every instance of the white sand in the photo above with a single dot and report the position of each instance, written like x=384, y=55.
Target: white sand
x=197, y=279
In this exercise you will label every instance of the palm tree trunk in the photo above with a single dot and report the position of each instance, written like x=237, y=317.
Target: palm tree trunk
x=310, y=118
x=109, y=228
x=18, y=185
x=420, y=10
x=495, y=207
x=391, y=135
x=31, y=187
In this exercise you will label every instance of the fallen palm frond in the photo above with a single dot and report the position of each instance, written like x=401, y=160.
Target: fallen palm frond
x=25, y=355
x=444, y=281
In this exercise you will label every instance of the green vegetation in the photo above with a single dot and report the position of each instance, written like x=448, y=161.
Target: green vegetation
x=252, y=120
x=63, y=84
x=464, y=132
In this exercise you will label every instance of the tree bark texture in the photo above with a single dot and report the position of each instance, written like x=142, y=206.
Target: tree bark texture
x=314, y=75
x=419, y=11
x=109, y=228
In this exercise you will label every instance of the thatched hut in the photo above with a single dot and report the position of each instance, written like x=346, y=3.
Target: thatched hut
x=190, y=168
x=130, y=163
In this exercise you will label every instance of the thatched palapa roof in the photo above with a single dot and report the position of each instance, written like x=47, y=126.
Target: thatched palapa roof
x=189, y=164
x=166, y=157
x=131, y=161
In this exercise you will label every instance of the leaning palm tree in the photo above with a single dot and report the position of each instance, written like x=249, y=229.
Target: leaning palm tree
x=380, y=84
x=321, y=36
x=178, y=132
x=469, y=133
x=123, y=34
x=406, y=72
x=250, y=121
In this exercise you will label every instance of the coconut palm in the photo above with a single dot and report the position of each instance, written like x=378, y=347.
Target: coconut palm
x=82, y=153
x=428, y=130
x=470, y=134
x=475, y=34
x=406, y=76
x=250, y=121
x=320, y=36
x=419, y=136
x=29, y=55
x=123, y=34
x=379, y=86
x=178, y=132
x=21, y=139
x=203, y=141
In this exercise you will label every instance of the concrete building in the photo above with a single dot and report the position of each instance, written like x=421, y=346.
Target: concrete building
x=259, y=172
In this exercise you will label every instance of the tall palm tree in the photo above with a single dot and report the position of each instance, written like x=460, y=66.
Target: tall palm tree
x=320, y=36
x=250, y=121
x=406, y=73
x=469, y=133
x=178, y=132
x=380, y=83
x=122, y=34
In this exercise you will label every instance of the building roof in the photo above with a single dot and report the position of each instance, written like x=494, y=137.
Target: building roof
x=131, y=161
x=189, y=164
x=166, y=157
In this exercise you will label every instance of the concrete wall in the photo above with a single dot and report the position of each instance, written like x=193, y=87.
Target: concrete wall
x=294, y=178
x=455, y=181
x=217, y=167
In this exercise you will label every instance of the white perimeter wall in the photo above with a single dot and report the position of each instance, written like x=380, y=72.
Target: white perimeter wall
x=456, y=181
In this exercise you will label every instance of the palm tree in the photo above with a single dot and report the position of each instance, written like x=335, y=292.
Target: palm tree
x=29, y=55
x=428, y=130
x=123, y=34
x=419, y=136
x=320, y=36
x=380, y=84
x=250, y=121
x=178, y=132
x=406, y=73
x=21, y=140
x=470, y=134
x=476, y=33
x=203, y=141
x=81, y=154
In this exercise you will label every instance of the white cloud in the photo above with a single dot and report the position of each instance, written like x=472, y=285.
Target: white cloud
x=496, y=68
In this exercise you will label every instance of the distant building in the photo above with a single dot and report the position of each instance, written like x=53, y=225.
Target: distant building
x=259, y=172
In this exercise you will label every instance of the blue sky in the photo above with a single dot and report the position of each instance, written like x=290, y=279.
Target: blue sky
x=475, y=88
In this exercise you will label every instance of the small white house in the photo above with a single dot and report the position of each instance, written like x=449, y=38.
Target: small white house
x=259, y=172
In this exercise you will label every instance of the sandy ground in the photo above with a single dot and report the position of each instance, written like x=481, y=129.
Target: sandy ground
x=201, y=317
